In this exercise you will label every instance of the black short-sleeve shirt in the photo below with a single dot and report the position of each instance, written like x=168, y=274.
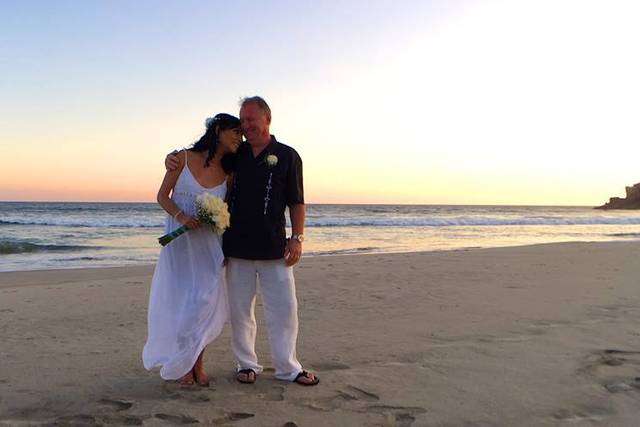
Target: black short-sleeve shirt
x=263, y=187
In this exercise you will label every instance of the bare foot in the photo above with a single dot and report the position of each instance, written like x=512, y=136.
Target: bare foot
x=199, y=373
x=201, y=377
x=187, y=379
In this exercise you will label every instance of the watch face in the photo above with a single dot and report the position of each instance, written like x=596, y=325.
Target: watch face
x=300, y=238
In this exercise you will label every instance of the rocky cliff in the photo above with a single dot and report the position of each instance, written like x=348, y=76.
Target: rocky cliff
x=632, y=201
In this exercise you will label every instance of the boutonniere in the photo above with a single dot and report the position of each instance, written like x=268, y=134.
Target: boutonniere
x=271, y=160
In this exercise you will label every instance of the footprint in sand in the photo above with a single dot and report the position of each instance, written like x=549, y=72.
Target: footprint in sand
x=108, y=413
x=588, y=413
x=614, y=369
x=347, y=398
x=275, y=394
x=192, y=394
x=124, y=420
x=231, y=417
x=77, y=420
x=117, y=404
x=400, y=416
x=235, y=416
x=356, y=399
x=330, y=366
x=398, y=410
x=399, y=420
x=195, y=397
x=355, y=393
x=179, y=419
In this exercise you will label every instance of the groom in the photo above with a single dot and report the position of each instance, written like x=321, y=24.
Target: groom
x=268, y=178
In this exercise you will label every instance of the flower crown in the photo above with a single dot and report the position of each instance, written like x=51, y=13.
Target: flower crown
x=223, y=119
x=210, y=121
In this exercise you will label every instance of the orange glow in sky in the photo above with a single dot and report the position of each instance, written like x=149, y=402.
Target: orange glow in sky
x=471, y=102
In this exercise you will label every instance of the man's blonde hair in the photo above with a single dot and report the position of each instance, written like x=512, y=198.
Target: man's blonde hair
x=259, y=101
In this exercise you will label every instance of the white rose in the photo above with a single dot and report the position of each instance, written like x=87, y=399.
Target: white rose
x=272, y=160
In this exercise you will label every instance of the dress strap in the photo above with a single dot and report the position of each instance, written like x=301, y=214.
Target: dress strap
x=185, y=157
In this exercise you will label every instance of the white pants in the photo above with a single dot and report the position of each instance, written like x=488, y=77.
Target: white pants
x=280, y=308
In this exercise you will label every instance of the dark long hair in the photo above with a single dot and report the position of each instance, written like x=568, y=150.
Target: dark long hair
x=209, y=141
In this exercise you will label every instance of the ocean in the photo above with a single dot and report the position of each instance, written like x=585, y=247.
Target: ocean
x=72, y=235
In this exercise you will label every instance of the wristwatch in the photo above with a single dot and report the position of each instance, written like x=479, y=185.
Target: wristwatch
x=298, y=237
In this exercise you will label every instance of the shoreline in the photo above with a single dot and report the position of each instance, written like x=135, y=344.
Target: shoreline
x=318, y=255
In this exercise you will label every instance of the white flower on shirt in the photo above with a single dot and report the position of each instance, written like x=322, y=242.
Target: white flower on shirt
x=272, y=160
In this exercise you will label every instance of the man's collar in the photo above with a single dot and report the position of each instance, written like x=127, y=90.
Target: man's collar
x=268, y=148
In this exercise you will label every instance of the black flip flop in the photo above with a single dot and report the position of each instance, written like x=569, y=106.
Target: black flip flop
x=247, y=372
x=306, y=375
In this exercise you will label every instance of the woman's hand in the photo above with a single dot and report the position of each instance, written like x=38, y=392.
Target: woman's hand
x=188, y=220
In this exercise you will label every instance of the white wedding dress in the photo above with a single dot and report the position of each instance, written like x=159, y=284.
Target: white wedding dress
x=188, y=302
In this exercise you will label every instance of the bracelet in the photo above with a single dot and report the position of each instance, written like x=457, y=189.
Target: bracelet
x=176, y=215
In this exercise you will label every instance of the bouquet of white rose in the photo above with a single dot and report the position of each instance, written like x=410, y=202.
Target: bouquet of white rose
x=211, y=211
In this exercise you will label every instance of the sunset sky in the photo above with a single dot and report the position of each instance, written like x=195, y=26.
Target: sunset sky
x=444, y=102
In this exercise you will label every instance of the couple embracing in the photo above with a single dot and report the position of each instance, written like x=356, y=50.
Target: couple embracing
x=189, y=302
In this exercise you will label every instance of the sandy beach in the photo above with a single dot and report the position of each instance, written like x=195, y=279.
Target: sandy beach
x=541, y=335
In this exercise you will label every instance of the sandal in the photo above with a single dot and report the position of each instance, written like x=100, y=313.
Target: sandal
x=305, y=374
x=249, y=379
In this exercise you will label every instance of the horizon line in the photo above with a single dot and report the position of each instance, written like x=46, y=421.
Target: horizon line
x=324, y=203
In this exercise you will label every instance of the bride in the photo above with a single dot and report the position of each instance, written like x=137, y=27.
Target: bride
x=188, y=302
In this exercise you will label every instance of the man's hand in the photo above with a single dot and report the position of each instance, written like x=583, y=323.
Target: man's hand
x=292, y=252
x=171, y=162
